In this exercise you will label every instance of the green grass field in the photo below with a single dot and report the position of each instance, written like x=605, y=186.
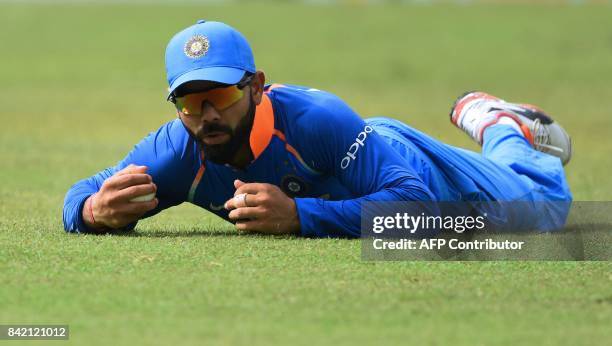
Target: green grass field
x=80, y=85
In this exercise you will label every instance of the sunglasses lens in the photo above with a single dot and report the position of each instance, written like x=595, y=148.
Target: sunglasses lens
x=188, y=104
x=220, y=98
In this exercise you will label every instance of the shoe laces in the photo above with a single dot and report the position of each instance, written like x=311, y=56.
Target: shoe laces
x=541, y=137
x=539, y=133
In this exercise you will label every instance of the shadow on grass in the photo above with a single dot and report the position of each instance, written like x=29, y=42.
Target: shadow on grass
x=192, y=233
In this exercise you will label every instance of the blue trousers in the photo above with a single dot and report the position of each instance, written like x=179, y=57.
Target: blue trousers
x=525, y=188
x=542, y=174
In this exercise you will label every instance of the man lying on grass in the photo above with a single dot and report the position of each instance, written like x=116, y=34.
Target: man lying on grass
x=285, y=159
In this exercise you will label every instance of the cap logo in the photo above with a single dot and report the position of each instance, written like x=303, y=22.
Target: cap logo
x=196, y=47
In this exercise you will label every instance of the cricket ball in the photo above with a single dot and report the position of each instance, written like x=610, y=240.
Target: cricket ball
x=143, y=198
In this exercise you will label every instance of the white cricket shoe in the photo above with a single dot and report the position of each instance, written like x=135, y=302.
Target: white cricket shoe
x=474, y=111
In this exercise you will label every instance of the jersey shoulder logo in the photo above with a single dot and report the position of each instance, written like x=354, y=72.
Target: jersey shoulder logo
x=197, y=46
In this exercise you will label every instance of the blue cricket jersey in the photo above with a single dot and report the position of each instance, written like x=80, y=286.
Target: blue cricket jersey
x=319, y=152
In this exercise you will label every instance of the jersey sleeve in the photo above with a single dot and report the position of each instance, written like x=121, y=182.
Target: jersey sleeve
x=166, y=152
x=338, y=142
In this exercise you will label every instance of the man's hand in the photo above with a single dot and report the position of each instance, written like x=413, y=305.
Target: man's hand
x=263, y=208
x=111, y=206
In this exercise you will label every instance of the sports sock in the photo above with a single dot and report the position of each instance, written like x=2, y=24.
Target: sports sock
x=510, y=122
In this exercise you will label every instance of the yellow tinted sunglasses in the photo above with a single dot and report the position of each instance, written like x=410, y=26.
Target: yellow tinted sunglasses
x=220, y=98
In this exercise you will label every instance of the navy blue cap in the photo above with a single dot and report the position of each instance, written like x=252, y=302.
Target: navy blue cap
x=208, y=51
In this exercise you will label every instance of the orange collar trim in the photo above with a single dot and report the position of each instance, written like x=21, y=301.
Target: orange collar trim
x=263, y=124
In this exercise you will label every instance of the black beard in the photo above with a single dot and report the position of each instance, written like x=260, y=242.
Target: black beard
x=226, y=152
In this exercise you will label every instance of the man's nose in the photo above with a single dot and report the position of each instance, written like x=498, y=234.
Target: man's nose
x=209, y=113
